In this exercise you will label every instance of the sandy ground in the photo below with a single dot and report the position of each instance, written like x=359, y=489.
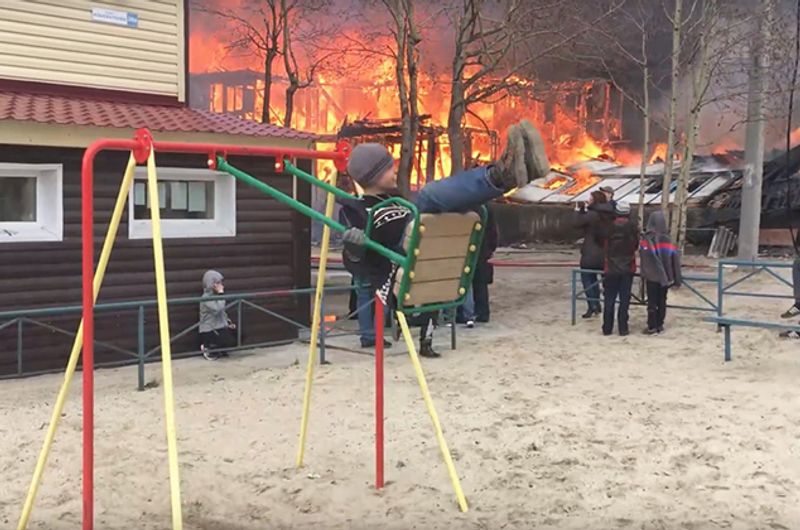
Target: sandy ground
x=551, y=426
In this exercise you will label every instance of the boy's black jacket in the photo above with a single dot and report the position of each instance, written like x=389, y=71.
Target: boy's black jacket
x=388, y=229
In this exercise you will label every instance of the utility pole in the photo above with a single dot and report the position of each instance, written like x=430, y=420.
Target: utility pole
x=750, y=215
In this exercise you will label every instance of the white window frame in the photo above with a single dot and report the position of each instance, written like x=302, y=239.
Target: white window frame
x=222, y=225
x=49, y=224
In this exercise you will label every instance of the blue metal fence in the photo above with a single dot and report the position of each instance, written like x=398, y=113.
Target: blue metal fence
x=690, y=282
x=253, y=300
x=758, y=267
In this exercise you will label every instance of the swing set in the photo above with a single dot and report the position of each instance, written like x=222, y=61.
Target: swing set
x=434, y=274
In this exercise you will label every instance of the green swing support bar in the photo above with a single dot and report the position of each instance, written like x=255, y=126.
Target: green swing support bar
x=407, y=262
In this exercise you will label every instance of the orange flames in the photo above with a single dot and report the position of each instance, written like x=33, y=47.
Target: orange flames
x=579, y=120
x=555, y=182
x=583, y=179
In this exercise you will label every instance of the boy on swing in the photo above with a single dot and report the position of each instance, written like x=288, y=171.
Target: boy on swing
x=372, y=167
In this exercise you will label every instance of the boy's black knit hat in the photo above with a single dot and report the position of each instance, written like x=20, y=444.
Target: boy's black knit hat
x=368, y=161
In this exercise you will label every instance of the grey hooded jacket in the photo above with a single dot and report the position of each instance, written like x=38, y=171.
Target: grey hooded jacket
x=212, y=310
x=660, y=258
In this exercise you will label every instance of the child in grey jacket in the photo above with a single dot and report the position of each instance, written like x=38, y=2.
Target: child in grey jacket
x=216, y=329
x=661, y=269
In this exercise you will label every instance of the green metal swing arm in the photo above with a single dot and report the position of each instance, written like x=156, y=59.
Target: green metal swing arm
x=407, y=262
x=306, y=210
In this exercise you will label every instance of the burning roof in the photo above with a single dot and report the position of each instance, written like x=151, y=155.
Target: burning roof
x=709, y=175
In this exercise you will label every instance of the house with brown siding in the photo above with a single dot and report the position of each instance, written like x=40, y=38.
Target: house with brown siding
x=74, y=72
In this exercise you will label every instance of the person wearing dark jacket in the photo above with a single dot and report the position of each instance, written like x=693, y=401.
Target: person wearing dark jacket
x=372, y=167
x=476, y=304
x=620, y=266
x=661, y=270
x=589, y=220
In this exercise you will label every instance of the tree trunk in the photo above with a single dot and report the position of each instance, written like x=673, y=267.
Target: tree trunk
x=413, y=80
x=458, y=108
x=672, y=135
x=291, y=90
x=406, y=141
x=750, y=217
x=268, y=62
x=646, y=139
x=455, y=120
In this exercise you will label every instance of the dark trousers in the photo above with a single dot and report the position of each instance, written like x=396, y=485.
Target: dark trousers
x=591, y=286
x=218, y=339
x=480, y=294
x=617, y=286
x=656, y=305
x=796, y=281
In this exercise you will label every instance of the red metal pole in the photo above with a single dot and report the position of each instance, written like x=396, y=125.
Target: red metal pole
x=87, y=273
x=379, y=321
x=140, y=146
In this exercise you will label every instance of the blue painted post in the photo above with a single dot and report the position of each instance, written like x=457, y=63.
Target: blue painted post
x=239, y=323
x=140, y=346
x=322, y=330
x=19, y=346
x=574, y=310
x=727, y=343
x=720, y=287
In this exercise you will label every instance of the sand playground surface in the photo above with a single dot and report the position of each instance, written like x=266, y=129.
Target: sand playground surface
x=551, y=426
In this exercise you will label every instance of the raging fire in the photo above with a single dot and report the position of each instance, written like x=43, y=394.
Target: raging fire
x=579, y=120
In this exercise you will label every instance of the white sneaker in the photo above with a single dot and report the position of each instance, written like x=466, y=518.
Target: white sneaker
x=207, y=355
x=470, y=324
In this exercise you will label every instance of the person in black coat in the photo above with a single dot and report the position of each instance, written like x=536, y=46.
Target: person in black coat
x=621, y=244
x=476, y=303
x=590, y=220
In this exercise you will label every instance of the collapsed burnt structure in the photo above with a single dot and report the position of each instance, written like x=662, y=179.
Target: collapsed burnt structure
x=714, y=198
x=780, y=194
x=431, y=154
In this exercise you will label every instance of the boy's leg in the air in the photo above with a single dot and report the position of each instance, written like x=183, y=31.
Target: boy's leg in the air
x=522, y=161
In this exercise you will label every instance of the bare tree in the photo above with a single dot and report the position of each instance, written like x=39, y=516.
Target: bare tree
x=677, y=25
x=718, y=30
x=628, y=45
x=303, y=32
x=257, y=27
x=406, y=53
x=496, y=43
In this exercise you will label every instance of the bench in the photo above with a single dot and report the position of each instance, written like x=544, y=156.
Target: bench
x=726, y=323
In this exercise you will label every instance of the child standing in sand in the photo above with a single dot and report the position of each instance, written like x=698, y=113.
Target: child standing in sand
x=216, y=329
x=661, y=269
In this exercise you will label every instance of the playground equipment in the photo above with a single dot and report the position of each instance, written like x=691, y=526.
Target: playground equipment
x=434, y=274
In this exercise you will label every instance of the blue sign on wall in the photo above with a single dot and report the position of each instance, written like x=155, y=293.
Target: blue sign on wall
x=118, y=18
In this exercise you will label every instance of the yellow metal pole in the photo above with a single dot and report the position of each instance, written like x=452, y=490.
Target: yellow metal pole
x=426, y=395
x=166, y=350
x=77, y=344
x=315, y=320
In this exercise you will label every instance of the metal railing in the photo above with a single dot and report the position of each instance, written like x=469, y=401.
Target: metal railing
x=758, y=267
x=142, y=355
x=689, y=282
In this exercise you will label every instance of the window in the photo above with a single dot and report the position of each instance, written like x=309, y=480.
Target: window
x=31, y=204
x=192, y=203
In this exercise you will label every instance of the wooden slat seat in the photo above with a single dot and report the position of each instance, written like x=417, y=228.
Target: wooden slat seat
x=443, y=248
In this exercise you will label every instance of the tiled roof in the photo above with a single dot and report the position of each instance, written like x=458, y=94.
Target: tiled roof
x=65, y=110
